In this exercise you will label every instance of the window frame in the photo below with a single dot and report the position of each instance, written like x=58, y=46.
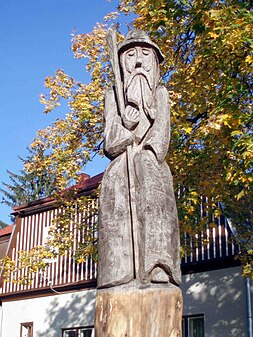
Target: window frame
x=185, y=323
x=78, y=329
x=30, y=328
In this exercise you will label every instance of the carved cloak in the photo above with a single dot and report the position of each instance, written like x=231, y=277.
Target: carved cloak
x=157, y=220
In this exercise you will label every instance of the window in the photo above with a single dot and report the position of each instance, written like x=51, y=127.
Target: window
x=78, y=332
x=193, y=326
x=26, y=329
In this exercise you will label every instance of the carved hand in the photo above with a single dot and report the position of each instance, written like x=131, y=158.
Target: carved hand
x=130, y=117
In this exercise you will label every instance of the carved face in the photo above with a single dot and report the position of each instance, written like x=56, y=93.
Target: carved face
x=139, y=57
x=140, y=74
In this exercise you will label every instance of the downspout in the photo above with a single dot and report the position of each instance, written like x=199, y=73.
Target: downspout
x=1, y=318
x=249, y=307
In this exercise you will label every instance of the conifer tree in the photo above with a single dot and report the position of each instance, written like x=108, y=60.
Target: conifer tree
x=3, y=224
x=25, y=187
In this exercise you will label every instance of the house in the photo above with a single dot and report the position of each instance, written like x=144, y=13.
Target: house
x=60, y=301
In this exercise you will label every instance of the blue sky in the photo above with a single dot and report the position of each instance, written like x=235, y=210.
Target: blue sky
x=35, y=42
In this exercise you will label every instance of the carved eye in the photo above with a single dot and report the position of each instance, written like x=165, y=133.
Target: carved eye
x=145, y=52
x=131, y=53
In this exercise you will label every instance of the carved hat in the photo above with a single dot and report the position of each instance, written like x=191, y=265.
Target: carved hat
x=138, y=37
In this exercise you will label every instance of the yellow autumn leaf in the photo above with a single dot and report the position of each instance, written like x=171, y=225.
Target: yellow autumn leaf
x=187, y=129
x=249, y=59
x=213, y=35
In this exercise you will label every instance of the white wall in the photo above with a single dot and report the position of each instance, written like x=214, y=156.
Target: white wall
x=49, y=313
x=221, y=296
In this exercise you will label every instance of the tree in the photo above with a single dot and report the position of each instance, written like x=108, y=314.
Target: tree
x=3, y=224
x=26, y=187
x=208, y=70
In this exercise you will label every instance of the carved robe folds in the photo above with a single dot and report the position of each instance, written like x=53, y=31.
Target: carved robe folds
x=157, y=233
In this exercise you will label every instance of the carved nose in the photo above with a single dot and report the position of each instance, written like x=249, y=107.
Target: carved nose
x=138, y=62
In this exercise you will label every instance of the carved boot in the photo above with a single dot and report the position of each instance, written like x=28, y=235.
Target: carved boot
x=158, y=275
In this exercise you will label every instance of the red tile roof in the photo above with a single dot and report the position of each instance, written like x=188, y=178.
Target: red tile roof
x=85, y=184
x=6, y=230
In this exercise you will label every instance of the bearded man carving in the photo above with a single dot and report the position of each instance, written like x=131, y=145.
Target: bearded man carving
x=144, y=248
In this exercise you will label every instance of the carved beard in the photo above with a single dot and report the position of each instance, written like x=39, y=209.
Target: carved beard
x=140, y=85
x=139, y=91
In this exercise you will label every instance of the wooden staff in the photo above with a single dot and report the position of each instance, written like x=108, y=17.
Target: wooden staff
x=114, y=60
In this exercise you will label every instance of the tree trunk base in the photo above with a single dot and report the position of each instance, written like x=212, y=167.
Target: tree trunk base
x=133, y=312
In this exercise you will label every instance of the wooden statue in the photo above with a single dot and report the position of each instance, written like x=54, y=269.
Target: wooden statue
x=138, y=223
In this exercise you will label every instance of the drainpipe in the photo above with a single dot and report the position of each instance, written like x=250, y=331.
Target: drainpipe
x=249, y=307
x=1, y=318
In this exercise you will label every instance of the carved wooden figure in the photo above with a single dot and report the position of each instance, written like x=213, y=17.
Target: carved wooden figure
x=138, y=223
x=138, y=226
